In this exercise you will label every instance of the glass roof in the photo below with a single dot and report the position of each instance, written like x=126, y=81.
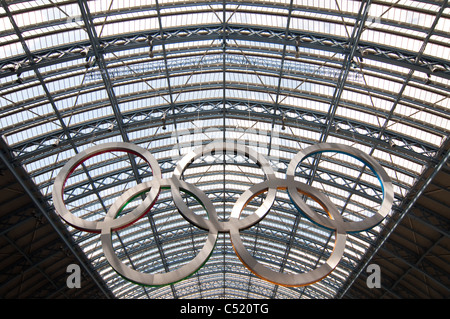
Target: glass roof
x=173, y=75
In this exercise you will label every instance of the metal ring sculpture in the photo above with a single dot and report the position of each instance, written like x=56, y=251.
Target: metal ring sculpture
x=235, y=224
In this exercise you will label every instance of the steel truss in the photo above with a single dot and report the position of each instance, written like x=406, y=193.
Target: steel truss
x=152, y=119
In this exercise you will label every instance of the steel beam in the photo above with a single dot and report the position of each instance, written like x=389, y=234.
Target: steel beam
x=365, y=132
x=436, y=169
x=385, y=54
x=51, y=222
x=280, y=77
x=403, y=212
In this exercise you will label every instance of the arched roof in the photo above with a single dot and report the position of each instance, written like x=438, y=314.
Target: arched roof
x=278, y=75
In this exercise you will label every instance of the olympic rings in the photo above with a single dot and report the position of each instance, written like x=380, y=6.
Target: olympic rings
x=233, y=149
x=168, y=277
x=67, y=170
x=375, y=167
x=285, y=279
x=271, y=184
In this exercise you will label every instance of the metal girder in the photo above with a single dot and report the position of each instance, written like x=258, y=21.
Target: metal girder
x=342, y=80
x=44, y=87
x=161, y=253
x=258, y=87
x=431, y=219
x=38, y=205
x=99, y=58
x=166, y=69
x=404, y=210
x=30, y=260
x=388, y=55
x=442, y=161
x=46, y=214
x=411, y=264
x=224, y=38
x=232, y=85
x=417, y=262
x=303, y=118
x=280, y=76
x=105, y=121
x=38, y=101
x=194, y=4
x=211, y=283
x=100, y=61
x=417, y=59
